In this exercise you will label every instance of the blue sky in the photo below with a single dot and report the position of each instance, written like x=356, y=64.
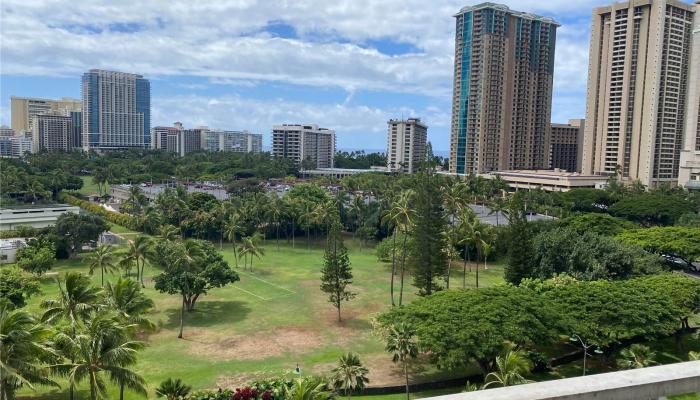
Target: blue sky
x=347, y=65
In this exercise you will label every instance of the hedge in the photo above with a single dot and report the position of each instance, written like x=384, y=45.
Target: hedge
x=124, y=220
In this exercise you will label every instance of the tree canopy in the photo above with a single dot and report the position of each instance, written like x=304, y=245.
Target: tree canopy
x=600, y=224
x=675, y=241
x=652, y=208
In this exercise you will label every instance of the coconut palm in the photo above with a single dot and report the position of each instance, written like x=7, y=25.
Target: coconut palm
x=102, y=259
x=511, y=365
x=128, y=301
x=102, y=350
x=498, y=205
x=173, y=389
x=401, y=343
x=168, y=232
x=636, y=356
x=231, y=229
x=23, y=350
x=250, y=246
x=401, y=215
x=77, y=299
x=465, y=227
x=451, y=241
x=140, y=252
x=276, y=214
x=306, y=218
x=350, y=374
x=311, y=388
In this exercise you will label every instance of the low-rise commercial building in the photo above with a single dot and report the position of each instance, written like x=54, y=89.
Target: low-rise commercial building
x=15, y=146
x=35, y=216
x=9, y=248
x=549, y=180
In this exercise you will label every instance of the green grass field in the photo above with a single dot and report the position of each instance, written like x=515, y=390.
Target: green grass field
x=274, y=318
x=89, y=187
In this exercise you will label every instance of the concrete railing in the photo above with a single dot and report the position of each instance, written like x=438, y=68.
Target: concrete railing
x=638, y=384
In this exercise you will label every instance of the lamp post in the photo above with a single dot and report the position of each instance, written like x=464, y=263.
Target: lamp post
x=577, y=338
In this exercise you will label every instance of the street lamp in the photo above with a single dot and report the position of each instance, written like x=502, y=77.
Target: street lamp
x=577, y=338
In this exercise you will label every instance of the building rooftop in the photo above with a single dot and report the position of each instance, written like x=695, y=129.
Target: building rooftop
x=548, y=173
x=505, y=8
x=34, y=206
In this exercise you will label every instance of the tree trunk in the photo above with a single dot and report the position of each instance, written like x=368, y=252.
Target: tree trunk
x=338, y=306
x=121, y=391
x=102, y=273
x=464, y=272
x=477, y=273
x=182, y=318
x=278, y=236
x=143, y=264
x=403, y=264
x=235, y=252
x=393, y=268
x=405, y=372
x=449, y=267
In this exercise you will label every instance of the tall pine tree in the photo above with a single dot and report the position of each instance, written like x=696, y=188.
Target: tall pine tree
x=520, y=248
x=429, y=259
x=336, y=274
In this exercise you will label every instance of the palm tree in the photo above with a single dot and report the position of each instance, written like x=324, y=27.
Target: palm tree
x=231, y=229
x=311, y=388
x=498, y=205
x=636, y=356
x=103, y=348
x=128, y=301
x=251, y=246
x=466, y=226
x=481, y=234
x=401, y=215
x=276, y=213
x=104, y=260
x=401, y=342
x=350, y=374
x=173, y=389
x=76, y=301
x=140, y=251
x=451, y=242
x=305, y=219
x=510, y=368
x=168, y=232
x=23, y=349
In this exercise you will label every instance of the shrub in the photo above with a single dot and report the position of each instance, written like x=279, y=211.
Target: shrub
x=124, y=220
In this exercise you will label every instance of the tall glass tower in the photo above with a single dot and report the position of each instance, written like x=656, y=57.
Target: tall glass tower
x=116, y=110
x=502, y=101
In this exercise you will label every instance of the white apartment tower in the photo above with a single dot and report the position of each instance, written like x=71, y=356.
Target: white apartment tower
x=689, y=172
x=302, y=143
x=637, y=90
x=406, y=140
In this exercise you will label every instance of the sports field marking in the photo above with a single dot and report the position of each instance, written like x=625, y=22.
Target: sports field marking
x=250, y=293
x=264, y=281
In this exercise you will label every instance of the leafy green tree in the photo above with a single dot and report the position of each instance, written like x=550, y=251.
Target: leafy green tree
x=17, y=287
x=102, y=350
x=24, y=352
x=652, y=208
x=38, y=256
x=173, y=389
x=510, y=368
x=428, y=256
x=79, y=229
x=402, y=343
x=600, y=224
x=636, y=356
x=190, y=269
x=350, y=375
x=675, y=241
x=103, y=259
x=336, y=273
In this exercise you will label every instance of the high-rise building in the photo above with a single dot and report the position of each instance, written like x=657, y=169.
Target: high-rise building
x=502, y=100
x=166, y=137
x=14, y=146
x=6, y=131
x=637, y=90
x=406, y=141
x=76, y=118
x=52, y=132
x=566, y=145
x=23, y=110
x=307, y=145
x=689, y=172
x=116, y=110
x=191, y=140
x=236, y=141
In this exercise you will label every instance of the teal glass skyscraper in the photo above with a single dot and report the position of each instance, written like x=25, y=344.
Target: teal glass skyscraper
x=502, y=101
x=116, y=110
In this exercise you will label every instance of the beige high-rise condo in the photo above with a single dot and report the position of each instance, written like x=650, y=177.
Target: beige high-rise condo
x=23, y=110
x=637, y=90
x=308, y=145
x=689, y=172
x=502, y=101
x=406, y=141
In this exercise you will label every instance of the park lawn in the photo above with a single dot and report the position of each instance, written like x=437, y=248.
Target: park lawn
x=89, y=187
x=274, y=318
